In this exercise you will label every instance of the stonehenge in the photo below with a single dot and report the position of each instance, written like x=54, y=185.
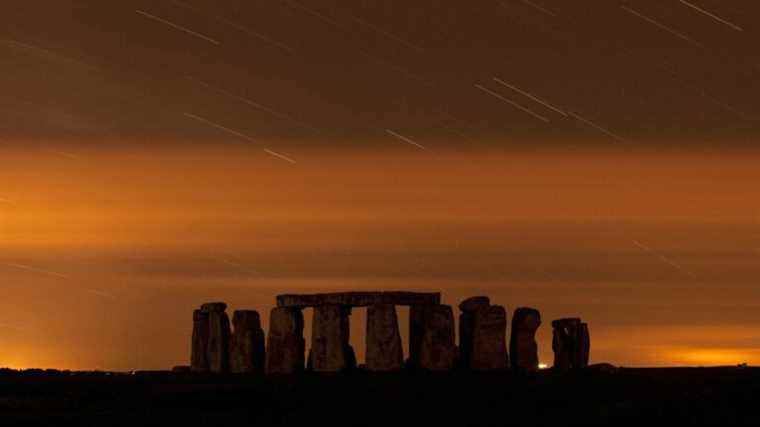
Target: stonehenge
x=211, y=338
x=246, y=349
x=247, y=352
x=330, y=348
x=199, y=357
x=416, y=333
x=359, y=299
x=523, y=349
x=571, y=343
x=585, y=346
x=489, y=342
x=468, y=308
x=482, y=335
x=384, y=350
x=285, y=343
x=437, y=347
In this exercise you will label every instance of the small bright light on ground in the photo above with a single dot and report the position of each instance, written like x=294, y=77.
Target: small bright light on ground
x=542, y=366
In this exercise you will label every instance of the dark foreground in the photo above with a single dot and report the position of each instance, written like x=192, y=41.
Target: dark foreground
x=628, y=396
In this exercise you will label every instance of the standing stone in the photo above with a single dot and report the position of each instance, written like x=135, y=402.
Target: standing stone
x=468, y=308
x=523, y=350
x=565, y=343
x=211, y=307
x=384, y=351
x=489, y=339
x=198, y=358
x=330, y=348
x=584, y=345
x=247, y=354
x=218, y=338
x=285, y=343
x=473, y=304
x=438, y=351
x=416, y=333
x=466, y=332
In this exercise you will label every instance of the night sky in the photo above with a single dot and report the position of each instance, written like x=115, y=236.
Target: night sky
x=594, y=158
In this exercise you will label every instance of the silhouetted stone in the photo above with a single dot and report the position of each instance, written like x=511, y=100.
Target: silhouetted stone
x=438, y=350
x=350, y=357
x=358, y=299
x=584, y=345
x=489, y=339
x=565, y=343
x=199, y=355
x=247, y=354
x=466, y=325
x=416, y=334
x=330, y=349
x=218, y=340
x=523, y=349
x=214, y=307
x=474, y=304
x=384, y=351
x=285, y=342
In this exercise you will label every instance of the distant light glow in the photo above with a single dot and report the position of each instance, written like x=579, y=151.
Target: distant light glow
x=542, y=366
x=712, y=357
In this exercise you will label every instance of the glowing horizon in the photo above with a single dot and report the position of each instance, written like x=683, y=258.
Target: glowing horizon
x=106, y=255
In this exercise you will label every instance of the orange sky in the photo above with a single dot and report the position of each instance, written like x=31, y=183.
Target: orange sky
x=589, y=158
x=104, y=254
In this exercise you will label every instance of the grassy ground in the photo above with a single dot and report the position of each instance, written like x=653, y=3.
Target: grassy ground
x=628, y=396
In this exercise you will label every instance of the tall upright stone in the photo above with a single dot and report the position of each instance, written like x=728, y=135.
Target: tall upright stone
x=285, y=342
x=199, y=355
x=416, y=333
x=489, y=339
x=330, y=348
x=468, y=309
x=218, y=338
x=383, y=340
x=247, y=353
x=584, y=346
x=565, y=343
x=523, y=349
x=438, y=350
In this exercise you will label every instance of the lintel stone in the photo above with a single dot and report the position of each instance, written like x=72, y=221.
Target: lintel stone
x=359, y=299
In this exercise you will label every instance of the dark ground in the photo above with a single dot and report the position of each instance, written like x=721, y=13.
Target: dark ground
x=628, y=396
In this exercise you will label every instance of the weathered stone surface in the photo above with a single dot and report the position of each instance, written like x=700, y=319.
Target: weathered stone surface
x=247, y=353
x=218, y=342
x=438, y=350
x=214, y=307
x=330, y=348
x=383, y=340
x=565, y=343
x=285, y=342
x=467, y=326
x=211, y=337
x=199, y=355
x=358, y=299
x=523, y=349
x=489, y=339
x=482, y=334
x=474, y=304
